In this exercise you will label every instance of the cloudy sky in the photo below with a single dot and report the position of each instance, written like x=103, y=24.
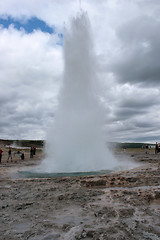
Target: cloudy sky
x=127, y=45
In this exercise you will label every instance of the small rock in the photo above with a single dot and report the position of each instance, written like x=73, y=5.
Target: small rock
x=60, y=197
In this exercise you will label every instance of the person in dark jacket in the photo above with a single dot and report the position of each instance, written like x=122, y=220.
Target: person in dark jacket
x=31, y=152
x=9, y=154
x=156, y=148
x=1, y=154
x=147, y=149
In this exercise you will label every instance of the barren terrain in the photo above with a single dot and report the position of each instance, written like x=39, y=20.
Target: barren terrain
x=122, y=205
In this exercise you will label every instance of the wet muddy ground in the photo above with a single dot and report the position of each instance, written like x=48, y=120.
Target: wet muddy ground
x=122, y=205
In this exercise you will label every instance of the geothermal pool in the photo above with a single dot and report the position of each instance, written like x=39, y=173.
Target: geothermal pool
x=37, y=172
x=32, y=174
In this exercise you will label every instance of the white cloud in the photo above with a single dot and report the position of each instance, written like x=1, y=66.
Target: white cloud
x=30, y=69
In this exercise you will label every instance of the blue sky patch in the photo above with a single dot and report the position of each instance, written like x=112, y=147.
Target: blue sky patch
x=29, y=26
x=60, y=42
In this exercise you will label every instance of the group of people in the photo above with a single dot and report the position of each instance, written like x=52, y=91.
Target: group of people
x=19, y=153
x=9, y=154
x=157, y=148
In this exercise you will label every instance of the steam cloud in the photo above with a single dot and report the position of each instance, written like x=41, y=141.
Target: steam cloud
x=75, y=142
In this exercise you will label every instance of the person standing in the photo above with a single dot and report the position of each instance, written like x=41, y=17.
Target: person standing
x=124, y=148
x=34, y=151
x=147, y=150
x=156, y=148
x=9, y=154
x=22, y=156
x=1, y=154
x=31, y=152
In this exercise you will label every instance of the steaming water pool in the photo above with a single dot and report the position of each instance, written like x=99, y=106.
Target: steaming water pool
x=32, y=174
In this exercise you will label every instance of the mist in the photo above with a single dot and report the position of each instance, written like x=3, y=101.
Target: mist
x=75, y=142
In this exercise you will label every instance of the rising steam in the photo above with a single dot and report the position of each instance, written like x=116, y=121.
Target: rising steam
x=75, y=142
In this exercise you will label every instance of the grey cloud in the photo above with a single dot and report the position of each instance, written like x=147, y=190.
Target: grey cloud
x=26, y=113
x=124, y=113
x=134, y=130
x=144, y=125
x=29, y=83
x=139, y=102
x=138, y=60
x=133, y=113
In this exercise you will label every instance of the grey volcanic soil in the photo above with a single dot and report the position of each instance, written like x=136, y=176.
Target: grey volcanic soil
x=123, y=205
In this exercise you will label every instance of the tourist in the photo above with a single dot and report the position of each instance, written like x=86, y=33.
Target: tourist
x=147, y=149
x=34, y=151
x=156, y=148
x=31, y=152
x=124, y=148
x=9, y=154
x=22, y=155
x=1, y=154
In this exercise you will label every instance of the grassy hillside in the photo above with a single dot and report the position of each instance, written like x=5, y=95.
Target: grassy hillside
x=23, y=143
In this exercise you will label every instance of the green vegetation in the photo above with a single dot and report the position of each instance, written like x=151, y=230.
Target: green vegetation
x=116, y=145
x=23, y=143
x=133, y=145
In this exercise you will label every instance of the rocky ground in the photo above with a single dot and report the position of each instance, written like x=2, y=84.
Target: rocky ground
x=122, y=205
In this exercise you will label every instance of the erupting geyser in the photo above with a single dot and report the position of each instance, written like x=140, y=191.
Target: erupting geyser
x=76, y=143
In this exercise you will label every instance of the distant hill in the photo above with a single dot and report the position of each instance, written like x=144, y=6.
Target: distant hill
x=40, y=143
x=132, y=145
x=23, y=143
